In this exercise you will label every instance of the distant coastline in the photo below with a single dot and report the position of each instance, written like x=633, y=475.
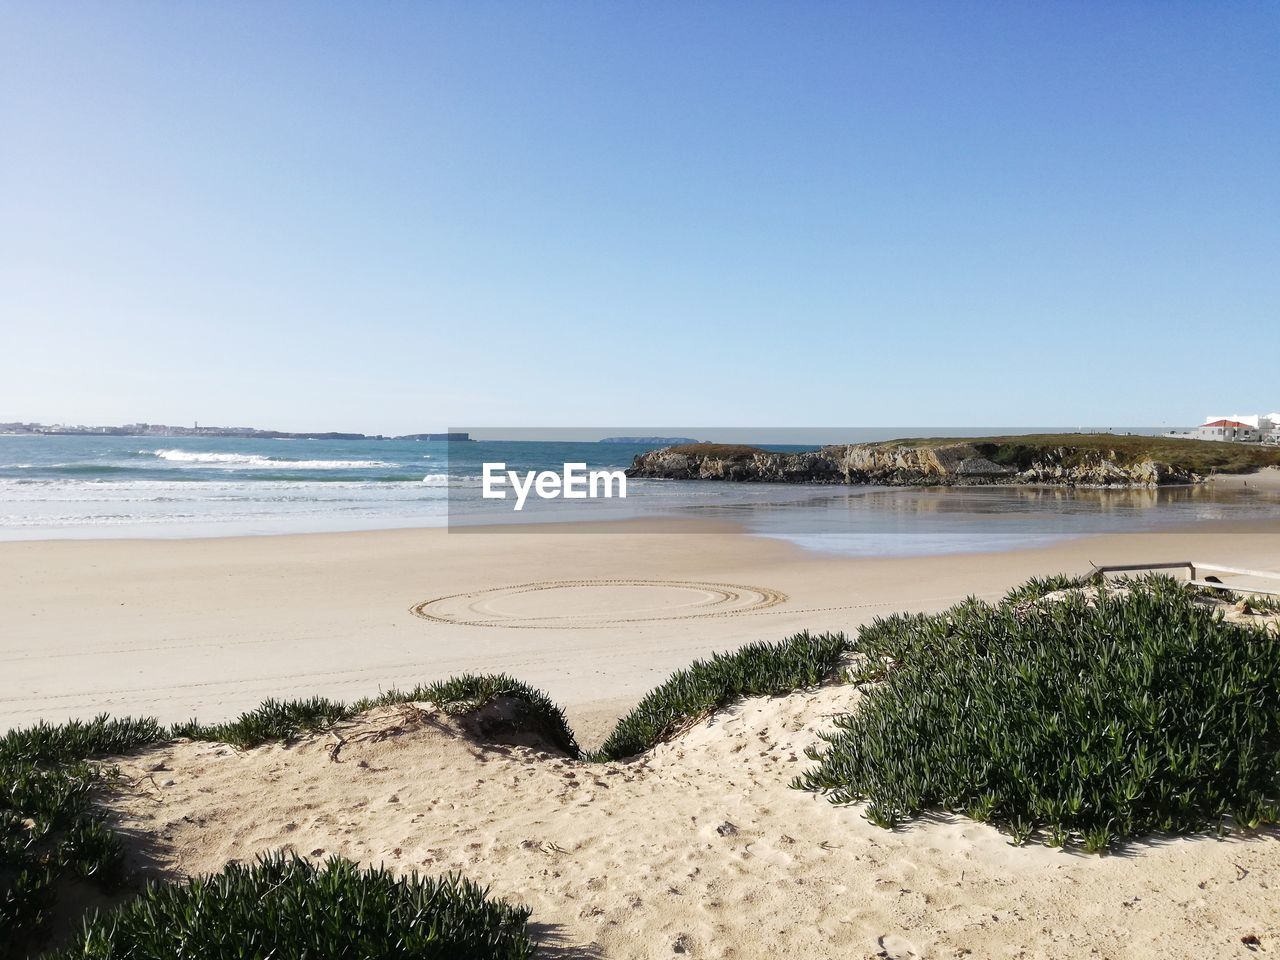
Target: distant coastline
x=232, y=433
x=664, y=441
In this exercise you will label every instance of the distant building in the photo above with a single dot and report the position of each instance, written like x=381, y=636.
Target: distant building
x=1240, y=428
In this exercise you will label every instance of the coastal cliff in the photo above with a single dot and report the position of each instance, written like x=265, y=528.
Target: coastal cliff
x=929, y=463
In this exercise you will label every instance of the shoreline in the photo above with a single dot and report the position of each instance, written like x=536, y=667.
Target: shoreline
x=1265, y=479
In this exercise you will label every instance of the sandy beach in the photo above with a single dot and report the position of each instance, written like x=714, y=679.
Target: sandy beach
x=211, y=627
x=699, y=848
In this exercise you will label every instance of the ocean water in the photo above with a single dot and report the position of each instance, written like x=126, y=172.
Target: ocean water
x=96, y=486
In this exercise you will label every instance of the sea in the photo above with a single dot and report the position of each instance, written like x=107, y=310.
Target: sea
x=56, y=487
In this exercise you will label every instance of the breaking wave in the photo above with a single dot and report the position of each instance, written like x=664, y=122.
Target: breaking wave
x=255, y=461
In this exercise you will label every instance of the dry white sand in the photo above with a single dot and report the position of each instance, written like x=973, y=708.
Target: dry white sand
x=209, y=628
x=699, y=849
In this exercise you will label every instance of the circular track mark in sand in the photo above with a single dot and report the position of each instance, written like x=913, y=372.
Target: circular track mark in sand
x=582, y=604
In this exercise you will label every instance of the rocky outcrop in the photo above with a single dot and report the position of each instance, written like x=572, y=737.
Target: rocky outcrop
x=884, y=464
x=896, y=464
x=672, y=463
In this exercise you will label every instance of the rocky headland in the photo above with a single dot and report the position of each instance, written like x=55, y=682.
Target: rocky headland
x=927, y=463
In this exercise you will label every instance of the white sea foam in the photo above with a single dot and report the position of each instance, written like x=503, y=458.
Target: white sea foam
x=147, y=491
x=255, y=461
x=436, y=479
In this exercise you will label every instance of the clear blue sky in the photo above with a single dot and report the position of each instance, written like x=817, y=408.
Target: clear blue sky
x=393, y=217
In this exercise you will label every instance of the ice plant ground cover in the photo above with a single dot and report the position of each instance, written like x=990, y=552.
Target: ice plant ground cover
x=1081, y=719
x=288, y=908
x=759, y=669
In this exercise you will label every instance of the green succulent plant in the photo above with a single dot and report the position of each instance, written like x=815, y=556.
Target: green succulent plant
x=1084, y=721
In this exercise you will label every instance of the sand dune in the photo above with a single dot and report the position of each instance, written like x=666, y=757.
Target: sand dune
x=698, y=849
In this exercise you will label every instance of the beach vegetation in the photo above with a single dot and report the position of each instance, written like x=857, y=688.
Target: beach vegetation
x=1039, y=587
x=273, y=720
x=529, y=710
x=705, y=686
x=289, y=908
x=1130, y=709
x=1203, y=457
x=689, y=695
x=48, y=744
x=50, y=834
x=720, y=451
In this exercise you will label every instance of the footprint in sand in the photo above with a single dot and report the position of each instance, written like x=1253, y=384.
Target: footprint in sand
x=894, y=947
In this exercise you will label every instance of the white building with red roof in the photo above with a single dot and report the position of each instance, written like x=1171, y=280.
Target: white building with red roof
x=1240, y=427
